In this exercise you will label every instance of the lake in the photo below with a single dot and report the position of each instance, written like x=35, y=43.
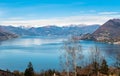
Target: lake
x=44, y=52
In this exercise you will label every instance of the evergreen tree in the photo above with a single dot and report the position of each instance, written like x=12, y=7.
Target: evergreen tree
x=29, y=70
x=95, y=68
x=104, y=67
x=95, y=57
x=117, y=63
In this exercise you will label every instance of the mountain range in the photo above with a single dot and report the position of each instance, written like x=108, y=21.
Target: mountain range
x=108, y=32
x=51, y=30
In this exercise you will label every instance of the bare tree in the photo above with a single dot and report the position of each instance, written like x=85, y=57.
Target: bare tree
x=117, y=63
x=95, y=59
x=72, y=54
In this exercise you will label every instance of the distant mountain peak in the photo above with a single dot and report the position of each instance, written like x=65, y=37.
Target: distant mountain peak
x=112, y=22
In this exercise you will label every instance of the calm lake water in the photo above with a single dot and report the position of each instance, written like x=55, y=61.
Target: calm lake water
x=43, y=52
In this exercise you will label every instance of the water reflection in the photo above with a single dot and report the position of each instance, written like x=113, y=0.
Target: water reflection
x=0, y=42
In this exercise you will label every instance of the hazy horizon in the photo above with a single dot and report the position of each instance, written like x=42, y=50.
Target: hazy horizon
x=36, y=26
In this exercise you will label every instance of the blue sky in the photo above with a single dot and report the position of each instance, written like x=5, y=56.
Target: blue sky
x=57, y=12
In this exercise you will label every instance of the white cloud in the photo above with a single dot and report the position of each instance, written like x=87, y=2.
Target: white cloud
x=16, y=18
x=109, y=13
x=61, y=21
x=92, y=11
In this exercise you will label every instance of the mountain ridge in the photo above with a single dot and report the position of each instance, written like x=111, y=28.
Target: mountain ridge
x=108, y=32
x=4, y=35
